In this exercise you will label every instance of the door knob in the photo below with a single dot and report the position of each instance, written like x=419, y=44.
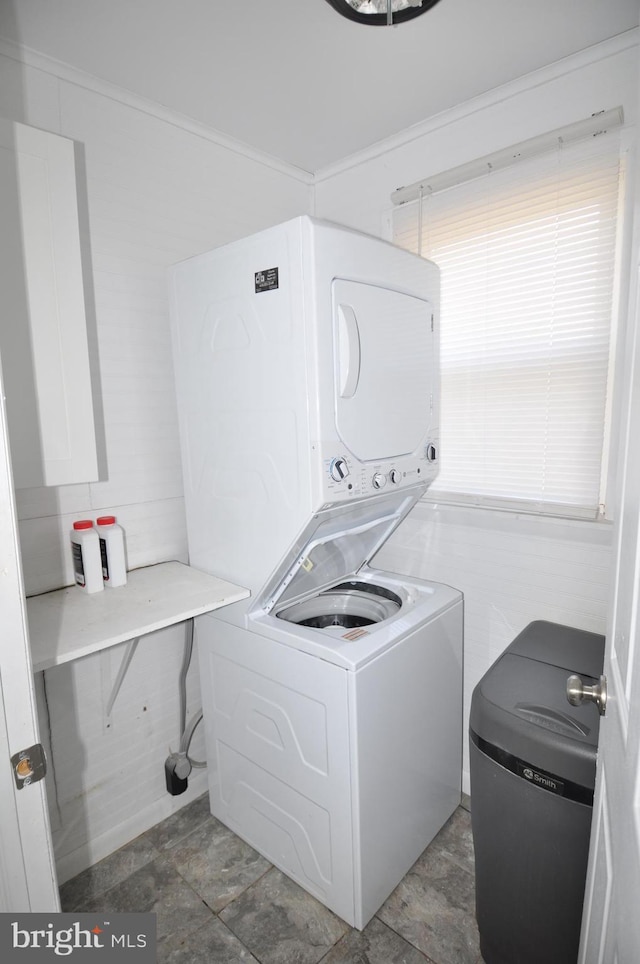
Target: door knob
x=578, y=693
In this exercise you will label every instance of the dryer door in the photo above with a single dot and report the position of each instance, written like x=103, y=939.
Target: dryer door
x=384, y=370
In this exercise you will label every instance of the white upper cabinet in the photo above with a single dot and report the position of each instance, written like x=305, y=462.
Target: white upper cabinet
x=43, y=330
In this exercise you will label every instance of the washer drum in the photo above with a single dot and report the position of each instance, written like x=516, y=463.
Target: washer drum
x=346, y=605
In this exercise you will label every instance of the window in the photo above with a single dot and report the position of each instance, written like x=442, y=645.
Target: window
x=528, y=258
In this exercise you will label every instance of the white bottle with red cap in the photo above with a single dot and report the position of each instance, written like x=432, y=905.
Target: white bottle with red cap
x=114, y=564
x=85, y=551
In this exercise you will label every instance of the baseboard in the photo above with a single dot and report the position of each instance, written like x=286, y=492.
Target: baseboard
x=466, y=782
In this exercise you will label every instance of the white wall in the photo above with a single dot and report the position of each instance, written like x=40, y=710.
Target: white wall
x=158, y=190
x=512, y=568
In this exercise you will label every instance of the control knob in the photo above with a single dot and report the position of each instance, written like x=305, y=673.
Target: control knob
x=394, y=476
x=339, y=469
x=379, y=480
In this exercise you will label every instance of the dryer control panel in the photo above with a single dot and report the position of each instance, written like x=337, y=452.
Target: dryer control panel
x=344, y=477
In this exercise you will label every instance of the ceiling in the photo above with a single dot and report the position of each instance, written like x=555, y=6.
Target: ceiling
x=294, y=79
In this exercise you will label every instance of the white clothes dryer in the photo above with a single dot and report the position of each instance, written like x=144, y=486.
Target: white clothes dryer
x=306, y=370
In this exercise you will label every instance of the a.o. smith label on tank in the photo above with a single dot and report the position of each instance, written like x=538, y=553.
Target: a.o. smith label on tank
x=266, y=280
x=543, y=780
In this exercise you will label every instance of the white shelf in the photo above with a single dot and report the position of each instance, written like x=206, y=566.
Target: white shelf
x=67, y=624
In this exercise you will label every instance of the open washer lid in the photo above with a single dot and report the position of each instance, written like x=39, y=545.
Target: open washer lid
x=335, y=544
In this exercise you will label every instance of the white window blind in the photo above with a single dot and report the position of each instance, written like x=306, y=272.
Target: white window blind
x=528, y=262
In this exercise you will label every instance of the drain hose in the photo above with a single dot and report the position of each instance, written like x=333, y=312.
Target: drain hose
x=187, y=730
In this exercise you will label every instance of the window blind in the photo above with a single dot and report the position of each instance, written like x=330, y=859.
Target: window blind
x=528, y=260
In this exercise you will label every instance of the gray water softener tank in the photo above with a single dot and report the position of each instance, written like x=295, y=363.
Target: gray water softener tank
x=533, y=762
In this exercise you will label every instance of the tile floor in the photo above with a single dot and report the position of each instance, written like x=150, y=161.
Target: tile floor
x=219, y=902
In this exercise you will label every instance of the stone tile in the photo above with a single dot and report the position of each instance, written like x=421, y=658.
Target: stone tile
x=433, y=908
x=456, y=840
x=179, y=824
x=376, y=944
x=106, y=873
x=217, y=863
x=281, y=924
x=213, y=943
x=158, y=889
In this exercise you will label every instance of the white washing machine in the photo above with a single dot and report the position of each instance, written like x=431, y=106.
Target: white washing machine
x=307, y=378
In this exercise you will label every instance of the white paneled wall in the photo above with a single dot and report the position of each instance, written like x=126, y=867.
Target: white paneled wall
x=157, y=191
x=106, y=781
x=512, y=569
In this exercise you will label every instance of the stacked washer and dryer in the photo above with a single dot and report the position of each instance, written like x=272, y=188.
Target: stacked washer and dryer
x=306, y=364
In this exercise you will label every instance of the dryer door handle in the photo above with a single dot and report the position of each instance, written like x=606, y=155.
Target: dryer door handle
x=348, y=351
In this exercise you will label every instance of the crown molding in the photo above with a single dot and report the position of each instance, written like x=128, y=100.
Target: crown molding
x=79, y=78
x=537, y=78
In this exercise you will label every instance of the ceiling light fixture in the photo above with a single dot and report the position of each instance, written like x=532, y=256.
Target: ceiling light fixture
x=381, y=13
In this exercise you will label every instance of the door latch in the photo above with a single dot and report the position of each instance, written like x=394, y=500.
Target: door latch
x=29, y=765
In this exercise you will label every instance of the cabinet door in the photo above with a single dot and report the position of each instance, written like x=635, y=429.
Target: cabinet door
x=43, y=334
x=384, y=369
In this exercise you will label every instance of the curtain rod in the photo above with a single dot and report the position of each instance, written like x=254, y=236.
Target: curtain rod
x=598, y=123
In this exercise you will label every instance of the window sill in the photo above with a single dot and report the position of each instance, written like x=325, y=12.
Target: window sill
x=526, y=524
